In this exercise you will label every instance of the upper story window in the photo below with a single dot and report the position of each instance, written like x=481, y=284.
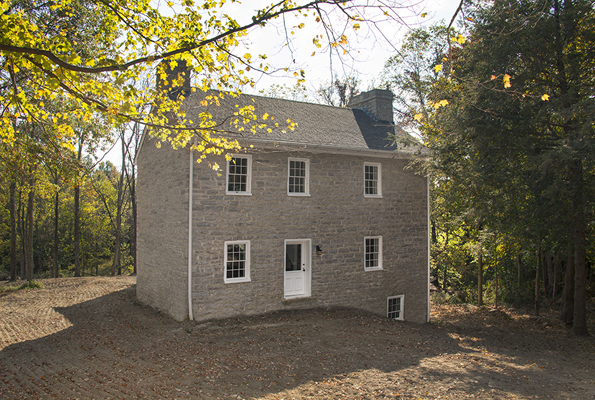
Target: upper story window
x=372, y=253
x=298, y=179
x=237, y=261
x=239, y=175
x=372, y=180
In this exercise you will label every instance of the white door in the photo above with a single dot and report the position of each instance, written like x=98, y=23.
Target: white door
x=297, y=268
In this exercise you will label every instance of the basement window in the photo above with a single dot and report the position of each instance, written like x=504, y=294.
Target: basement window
x=395, y=307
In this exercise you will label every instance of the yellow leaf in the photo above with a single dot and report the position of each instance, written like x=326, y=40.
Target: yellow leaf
x=545, y=97
x=355, y=27
x=461, y=39
x=438, y=68
x=265, y=116
x=313, y=54
x=423, y=15
x=443, y=103
x=506, y=81
x=493, y=77
x=418, y=117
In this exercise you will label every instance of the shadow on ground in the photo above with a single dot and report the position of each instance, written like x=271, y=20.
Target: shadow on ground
x=118, y=348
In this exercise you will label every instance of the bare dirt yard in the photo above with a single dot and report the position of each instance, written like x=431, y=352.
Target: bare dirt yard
x=88, y=338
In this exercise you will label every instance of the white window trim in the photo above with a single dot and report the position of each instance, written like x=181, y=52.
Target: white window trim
x=379, y=267
x=401, y=311
x=246, y=277
x=379, y=194
x=307, y=183
x=248, y=191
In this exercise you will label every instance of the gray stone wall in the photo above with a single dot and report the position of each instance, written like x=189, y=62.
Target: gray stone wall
x=336, y=216
x=162, y=228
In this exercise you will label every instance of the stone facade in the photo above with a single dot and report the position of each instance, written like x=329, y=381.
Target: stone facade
x=336, y=216
x=162, y=229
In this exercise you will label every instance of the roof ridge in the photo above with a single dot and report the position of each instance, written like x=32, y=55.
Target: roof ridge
x=282, y=99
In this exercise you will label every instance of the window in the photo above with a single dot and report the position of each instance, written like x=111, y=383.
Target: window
x=373, y=253
x=237, y=261
x=372, y=180
x=239, y=175
x=298, y=182
x=395, y=307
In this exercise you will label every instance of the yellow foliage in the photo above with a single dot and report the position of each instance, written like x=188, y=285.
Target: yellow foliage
x=506, y=80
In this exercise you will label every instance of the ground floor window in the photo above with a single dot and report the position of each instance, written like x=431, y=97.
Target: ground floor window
x=395, y=307
x=372, y=253
x=237, y=261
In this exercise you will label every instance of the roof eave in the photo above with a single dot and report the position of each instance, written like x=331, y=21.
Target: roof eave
x=317, y=148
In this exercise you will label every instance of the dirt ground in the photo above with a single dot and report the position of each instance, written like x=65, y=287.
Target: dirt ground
x=88, y=338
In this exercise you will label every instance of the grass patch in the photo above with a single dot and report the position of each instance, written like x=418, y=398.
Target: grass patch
x=28, y=285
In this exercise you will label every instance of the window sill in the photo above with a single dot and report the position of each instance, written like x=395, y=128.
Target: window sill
x=373, y=196
x=373, y=269
x=299, y=194
x=237, y=280
x=238, y=193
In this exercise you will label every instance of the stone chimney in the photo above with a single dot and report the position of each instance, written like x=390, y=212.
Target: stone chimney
x=179, y=71
x=378, y=102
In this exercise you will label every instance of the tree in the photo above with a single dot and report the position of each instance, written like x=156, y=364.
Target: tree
x=513, y=124
x=40, y=41
x=338, y=92
x=411, y=73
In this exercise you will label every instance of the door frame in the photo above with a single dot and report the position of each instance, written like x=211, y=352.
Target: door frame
x=307, y=258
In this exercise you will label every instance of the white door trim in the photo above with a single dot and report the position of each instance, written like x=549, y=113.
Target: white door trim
x=307, y=264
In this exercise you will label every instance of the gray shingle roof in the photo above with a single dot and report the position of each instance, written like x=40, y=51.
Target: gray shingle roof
x=317, y=125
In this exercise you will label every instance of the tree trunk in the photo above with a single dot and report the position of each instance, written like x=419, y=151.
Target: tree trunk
x=21, y=228
x=536, y=308
x=557, y=268
x=579, y=326
x=548, y=275
x=77, y=216
x=56, y=271
x=496, y=276
x=518, y=269
x=116, y=265
x=567, y=313
x=480, y=280
x=77, y=231
x=13, y=232
x=31, y=202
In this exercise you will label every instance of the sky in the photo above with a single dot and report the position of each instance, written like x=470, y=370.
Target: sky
x=369, y=49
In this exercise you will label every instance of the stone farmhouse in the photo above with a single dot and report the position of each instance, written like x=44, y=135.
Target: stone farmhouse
x=330, y=214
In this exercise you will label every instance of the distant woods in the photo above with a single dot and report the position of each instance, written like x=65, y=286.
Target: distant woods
x=76, y=218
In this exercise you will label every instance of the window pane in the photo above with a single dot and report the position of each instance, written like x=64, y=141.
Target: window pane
x=293, y=257
x=371, y=179
x=372, y=253
x=236, y=260
x=237, y=179
x=297, y=177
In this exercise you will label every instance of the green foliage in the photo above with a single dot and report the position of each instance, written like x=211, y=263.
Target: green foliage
x=508, y=115
x=28, y=285
x=97, y=230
